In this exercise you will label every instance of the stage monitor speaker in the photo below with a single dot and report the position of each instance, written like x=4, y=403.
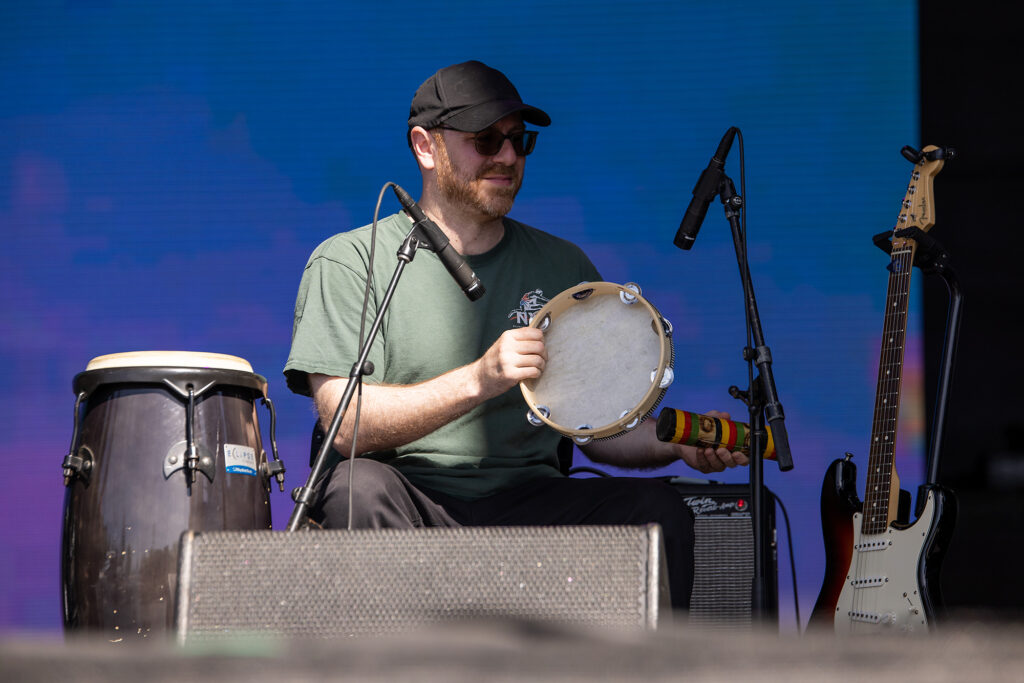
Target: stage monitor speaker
x=334, y=583
x=724, y=554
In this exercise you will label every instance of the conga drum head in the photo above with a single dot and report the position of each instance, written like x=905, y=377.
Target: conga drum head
x=169, y=359
x=609, y=361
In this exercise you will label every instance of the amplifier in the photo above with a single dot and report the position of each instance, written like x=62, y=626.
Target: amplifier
x=335, y=583
x=724, y=554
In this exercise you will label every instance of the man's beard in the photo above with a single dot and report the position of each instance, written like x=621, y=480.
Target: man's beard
x=475, y=193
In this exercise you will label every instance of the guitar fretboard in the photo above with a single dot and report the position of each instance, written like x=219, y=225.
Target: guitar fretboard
x=880, y=492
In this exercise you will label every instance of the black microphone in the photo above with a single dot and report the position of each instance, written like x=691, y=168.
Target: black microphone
x=438, y=243
x=703, y=192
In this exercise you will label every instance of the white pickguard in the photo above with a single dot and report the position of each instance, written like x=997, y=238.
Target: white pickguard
x=882, y=594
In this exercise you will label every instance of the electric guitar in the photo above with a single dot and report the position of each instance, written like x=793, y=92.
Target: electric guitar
x=881, y=571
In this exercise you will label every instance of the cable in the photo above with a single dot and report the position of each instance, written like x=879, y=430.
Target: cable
x=583, y=469
x=362, y=331
x=792, y=561
x=743, y=253
x=352, y=453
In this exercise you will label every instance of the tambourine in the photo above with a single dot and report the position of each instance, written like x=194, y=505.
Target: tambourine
x=609, y=361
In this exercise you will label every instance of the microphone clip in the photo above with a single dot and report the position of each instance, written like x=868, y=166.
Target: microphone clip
x=430, y=241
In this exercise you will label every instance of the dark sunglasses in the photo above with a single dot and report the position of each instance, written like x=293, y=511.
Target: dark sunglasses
x=489, y=142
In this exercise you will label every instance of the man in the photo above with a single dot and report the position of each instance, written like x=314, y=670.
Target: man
x=442, y=421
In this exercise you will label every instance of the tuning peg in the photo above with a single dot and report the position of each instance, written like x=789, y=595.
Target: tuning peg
x=911, y=154
x=947, y=153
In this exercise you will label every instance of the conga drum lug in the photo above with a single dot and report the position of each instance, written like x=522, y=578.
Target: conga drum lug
x=73, y=464
x=176, y=459
x=273, y=469
x=78, y=466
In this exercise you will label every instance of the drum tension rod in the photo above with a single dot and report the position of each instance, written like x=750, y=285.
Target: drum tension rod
x=196, y=458
x=191, y=455
x=273, y=468
x=77, y=464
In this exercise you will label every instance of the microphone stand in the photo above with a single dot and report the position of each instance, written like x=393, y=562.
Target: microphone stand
x=305, y=495
x=763, y=404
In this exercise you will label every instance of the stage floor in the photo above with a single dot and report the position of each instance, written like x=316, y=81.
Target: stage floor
x=968, y=650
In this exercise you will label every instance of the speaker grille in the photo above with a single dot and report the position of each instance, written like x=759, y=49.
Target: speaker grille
x=369, y=582
x=721, y=587
x=724, y=555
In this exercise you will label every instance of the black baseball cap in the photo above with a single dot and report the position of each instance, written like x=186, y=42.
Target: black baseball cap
x=469, y=97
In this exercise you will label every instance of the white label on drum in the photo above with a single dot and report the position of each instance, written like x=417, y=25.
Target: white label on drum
x=239, y=459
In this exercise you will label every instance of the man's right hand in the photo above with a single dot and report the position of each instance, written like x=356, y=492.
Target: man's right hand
x=516, y=355
x=394, y=415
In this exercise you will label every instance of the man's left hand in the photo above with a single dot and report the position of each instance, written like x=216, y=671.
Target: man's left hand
x=641, y=448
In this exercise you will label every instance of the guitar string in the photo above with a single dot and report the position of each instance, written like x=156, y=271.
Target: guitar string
x=888, y=402
x=876, y=470
x=872, y=480
x=886, y=412
x=879, y=479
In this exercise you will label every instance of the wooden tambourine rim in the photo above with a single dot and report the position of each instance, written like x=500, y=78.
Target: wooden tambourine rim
x=559, y=304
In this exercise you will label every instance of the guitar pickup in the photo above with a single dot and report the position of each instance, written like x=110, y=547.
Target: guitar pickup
x=868, y=546
x=869, y=582
x=865, y=617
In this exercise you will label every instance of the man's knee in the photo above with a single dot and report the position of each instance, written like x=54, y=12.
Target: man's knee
x=379, y=497
x=651, y=500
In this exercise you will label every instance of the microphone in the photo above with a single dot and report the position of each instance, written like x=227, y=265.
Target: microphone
x=438, y=242
x=704, y=431
x=703, y=192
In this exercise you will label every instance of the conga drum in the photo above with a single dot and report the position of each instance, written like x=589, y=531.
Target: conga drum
x=164, y=442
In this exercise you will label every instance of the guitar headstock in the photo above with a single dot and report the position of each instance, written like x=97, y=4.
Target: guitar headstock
x=918, y=208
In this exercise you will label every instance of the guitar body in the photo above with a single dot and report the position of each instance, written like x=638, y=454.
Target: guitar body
x=838, y=505
x=892, y=585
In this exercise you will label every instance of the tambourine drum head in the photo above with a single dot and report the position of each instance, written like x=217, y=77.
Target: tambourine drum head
x=124, y=518
x=606, y=359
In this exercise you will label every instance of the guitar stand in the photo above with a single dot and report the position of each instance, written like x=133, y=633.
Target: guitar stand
x=932, y=258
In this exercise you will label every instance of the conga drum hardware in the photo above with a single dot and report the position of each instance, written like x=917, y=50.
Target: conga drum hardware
x=191, y=452
x=181, y=384
x=77, y=464
x=609, y=364
x=272, y=468
x=182, y=456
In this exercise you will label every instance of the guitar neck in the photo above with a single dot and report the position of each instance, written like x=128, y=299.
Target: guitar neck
x=917, y=211
x=882, y=487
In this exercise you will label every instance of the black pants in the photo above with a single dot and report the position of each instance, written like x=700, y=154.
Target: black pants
x=383, y=498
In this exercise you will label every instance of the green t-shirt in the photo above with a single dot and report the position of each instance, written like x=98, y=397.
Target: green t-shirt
x=430, y=328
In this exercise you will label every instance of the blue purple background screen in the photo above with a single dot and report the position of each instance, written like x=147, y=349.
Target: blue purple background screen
x=166, y=171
